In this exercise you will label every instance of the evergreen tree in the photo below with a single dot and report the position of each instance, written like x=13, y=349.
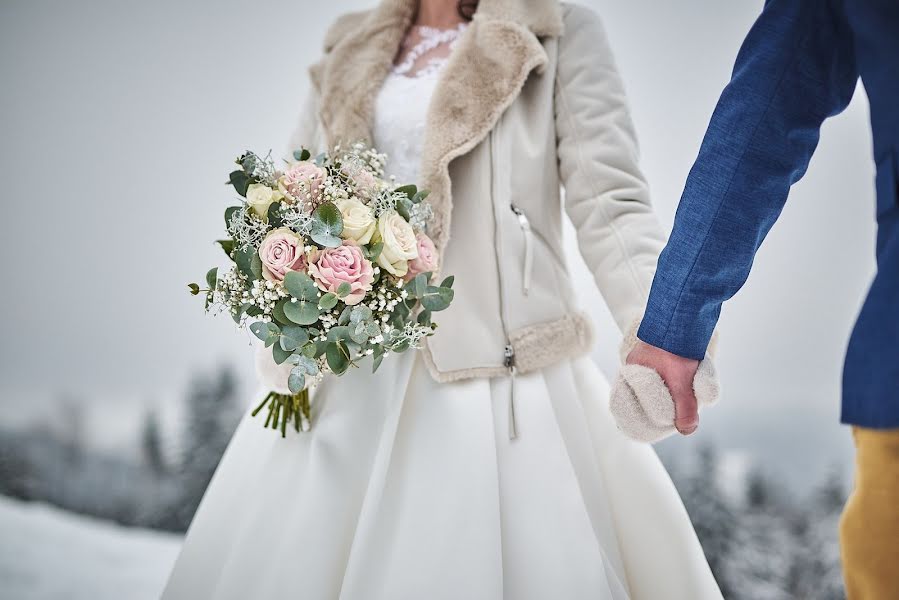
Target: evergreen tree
x=212, y=415
x=151, y=444
x=712, y=516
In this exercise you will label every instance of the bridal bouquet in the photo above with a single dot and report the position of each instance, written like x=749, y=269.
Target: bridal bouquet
x=331, y=264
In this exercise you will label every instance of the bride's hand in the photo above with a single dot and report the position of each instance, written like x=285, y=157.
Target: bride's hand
x=677, y=372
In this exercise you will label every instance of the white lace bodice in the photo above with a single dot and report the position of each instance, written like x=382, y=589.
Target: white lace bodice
x=401, y=107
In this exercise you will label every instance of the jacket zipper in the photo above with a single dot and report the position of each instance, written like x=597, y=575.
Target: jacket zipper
x=528, y=248
x=509, y=350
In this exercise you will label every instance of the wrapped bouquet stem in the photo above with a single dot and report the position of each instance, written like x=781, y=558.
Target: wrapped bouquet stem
x=331, y=265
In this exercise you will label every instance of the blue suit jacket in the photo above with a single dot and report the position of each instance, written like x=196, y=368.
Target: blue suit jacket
x=798, y=66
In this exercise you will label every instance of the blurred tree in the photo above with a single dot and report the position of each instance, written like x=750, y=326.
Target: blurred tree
x=151, y=444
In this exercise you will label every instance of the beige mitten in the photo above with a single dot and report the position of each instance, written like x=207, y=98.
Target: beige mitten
x=640, y=401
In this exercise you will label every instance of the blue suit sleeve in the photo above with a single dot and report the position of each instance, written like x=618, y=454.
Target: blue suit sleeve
x=795, y=69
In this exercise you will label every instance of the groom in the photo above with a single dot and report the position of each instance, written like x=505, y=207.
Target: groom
x=799, y=65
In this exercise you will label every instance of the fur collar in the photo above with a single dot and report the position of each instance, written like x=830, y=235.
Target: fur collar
x=482, y=78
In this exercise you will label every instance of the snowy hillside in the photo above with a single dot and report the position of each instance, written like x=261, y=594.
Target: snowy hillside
x=47, y=553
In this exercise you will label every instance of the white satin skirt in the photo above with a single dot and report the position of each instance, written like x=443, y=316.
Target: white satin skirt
x=410, y=489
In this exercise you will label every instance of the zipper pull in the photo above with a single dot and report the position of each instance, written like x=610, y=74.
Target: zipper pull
x=509, y=358
x=509, y=363
x=528, y=250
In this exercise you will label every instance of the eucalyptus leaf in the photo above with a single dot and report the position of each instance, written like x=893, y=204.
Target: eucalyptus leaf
x=360, y=313
x=274, y=215
x=301, y=154
x=377, y=358
x=409, y=190
x=296, y=381
x=256, y=266
x=419, y=196
x=374, y=251
x=336, y=334
x=280, y=354
x=327, y=225
x=243, y=258
x=419, y=285
x=424, y=317
x=300, y=286
x=328, y=301
x=437, y=298
x=338, y=357
x=404, y=208
x=344, y=289
x=301, y=312
x=194, y=289
x=308, y=350
x=241, y=181
x=227, y=246
x=263, y=330
x=229, y=212
x=448, y=282
x=305, y=364
x=345, y=316
x=297, y=335
x=212, y=277
x=278, y=311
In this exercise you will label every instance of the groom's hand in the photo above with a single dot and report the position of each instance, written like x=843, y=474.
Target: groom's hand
x=677, y=372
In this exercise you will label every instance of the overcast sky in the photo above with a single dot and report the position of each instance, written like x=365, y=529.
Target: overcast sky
x=119, y=121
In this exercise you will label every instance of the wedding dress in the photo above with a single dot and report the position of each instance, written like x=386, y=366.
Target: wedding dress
x=406, y=488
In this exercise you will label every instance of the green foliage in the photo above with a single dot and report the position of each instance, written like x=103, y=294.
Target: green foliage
x=327, y=225
x=301, y=154
x=227, y=246
x=194, y=289
x=338, y=356
x=419, y=196
x=280, y=354
x=274, y=215
x=293, y=337
x=419, y=285
x=212, y=277
x=267, y=332
x=302, y=309
x=328, y=301
x=373, y=251
x=241, y=181
x=229, y=212
x=409, y=190
x=437, y=298
x=343, y=290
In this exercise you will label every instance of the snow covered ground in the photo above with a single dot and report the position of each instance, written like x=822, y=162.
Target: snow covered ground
x=47, y=553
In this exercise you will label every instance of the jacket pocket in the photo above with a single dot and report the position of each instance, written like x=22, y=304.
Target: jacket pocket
x=887, y=184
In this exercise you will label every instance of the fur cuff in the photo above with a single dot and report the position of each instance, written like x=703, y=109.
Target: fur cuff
x=640, y=401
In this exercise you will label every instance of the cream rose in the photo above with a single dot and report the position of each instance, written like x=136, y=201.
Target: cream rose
x=260, y=197
x=400, y=244
x=358, y=220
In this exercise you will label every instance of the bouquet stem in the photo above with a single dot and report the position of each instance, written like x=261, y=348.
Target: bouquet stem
x=284, y=408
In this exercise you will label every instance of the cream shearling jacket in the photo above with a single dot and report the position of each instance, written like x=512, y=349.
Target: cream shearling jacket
x=529, y=102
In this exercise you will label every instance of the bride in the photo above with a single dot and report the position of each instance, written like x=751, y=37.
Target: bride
x=487, y=465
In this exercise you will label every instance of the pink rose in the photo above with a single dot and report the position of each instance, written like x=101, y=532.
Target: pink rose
x=302, y=180
x=366, y=183
x=344, y=264
x=427, y=260
x=281, y=251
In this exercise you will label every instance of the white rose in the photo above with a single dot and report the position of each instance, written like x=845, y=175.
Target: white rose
x=260, y=197
x=400, y=243
x=358, y=220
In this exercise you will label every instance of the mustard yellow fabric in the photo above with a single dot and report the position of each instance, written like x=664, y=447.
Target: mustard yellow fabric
x=869, y=528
